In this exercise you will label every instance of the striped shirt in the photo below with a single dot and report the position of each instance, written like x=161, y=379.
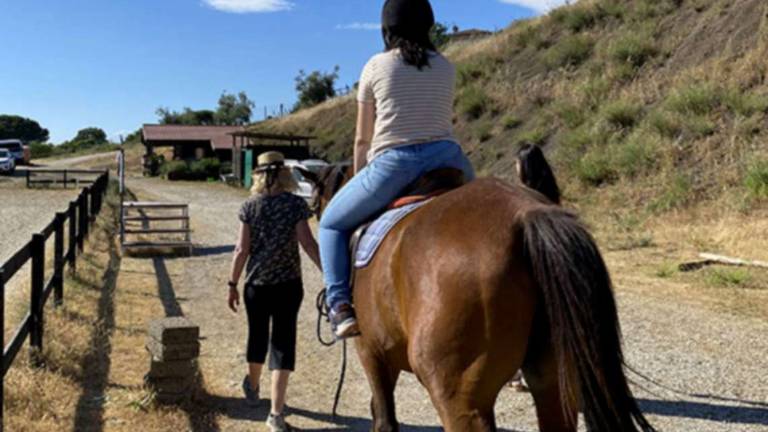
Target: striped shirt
x=412, y=106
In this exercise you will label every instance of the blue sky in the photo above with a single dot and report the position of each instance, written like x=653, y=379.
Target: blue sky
x=110, y=64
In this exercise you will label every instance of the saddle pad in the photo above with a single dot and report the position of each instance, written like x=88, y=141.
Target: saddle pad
x=378, y=230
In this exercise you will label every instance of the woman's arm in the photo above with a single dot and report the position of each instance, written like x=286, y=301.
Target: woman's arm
x=238, y=262
x=366, y=119
x=308, y=243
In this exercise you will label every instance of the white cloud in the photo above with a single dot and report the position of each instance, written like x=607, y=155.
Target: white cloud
x=249, y=6
x=359, y=26
x=538, y=5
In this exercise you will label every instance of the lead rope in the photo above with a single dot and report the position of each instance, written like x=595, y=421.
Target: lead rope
x=323, y=312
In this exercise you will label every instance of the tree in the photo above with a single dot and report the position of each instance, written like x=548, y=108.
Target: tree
x=187, y=117
x=15, y=127
x=315, y=88
x=439, y=35
x=234, y=109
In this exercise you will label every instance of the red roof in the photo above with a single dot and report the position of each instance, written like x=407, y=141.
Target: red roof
x=218, y=136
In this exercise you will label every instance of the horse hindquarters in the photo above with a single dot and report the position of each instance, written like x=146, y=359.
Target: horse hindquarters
x=583, y=322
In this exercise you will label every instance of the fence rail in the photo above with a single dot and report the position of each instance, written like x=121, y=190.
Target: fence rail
x=141, y=218
x=78, y=216
x=64, y=177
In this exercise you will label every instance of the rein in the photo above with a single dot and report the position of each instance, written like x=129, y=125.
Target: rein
x=323, y=312
x=336, y=175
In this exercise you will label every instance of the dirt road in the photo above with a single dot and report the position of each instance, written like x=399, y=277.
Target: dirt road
x=712, y=364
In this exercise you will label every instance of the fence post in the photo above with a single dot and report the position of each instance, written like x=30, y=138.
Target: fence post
x=36, y=300
x=27, y=178
x=2, y=342
x=58, y=260
x=82, y=219
x=65, y=179
x=72, y=240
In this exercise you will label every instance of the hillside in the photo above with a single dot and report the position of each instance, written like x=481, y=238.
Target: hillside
x=661, y=103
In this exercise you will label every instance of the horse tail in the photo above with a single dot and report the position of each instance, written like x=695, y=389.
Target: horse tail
x=583, y=322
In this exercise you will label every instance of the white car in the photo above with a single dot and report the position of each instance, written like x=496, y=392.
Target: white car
x=16, y=149
x=305, y=186
x=7, y=162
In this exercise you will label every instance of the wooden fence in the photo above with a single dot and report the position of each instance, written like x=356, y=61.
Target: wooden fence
x=77, y=219
x=63, y=177
x=141, y=219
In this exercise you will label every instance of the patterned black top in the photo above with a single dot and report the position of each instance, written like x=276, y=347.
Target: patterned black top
x=274, y=254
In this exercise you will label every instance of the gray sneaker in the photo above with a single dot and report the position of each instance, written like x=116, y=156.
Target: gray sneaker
x=251, y=394
x=344, y=321
x=276, y=423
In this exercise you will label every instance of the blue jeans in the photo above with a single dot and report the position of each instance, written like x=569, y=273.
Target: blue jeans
x=370, y=191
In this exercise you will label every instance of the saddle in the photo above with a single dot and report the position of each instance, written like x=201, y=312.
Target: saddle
x=366, y=239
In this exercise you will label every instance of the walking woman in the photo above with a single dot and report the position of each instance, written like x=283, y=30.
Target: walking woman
x=404, y=130
x=273, y=222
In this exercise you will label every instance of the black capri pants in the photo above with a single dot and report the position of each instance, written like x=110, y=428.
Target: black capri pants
x=280, y=303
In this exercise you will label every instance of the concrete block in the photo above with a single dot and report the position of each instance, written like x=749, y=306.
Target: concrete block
x=176, y=330
x=163, y=353
x=170, y=369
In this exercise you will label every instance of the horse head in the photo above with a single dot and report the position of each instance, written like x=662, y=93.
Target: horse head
x=327, y=183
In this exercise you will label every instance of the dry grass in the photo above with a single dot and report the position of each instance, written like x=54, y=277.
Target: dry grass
x=93, y=350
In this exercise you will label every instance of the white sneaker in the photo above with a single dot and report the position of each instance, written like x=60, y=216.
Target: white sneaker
x=276, y=423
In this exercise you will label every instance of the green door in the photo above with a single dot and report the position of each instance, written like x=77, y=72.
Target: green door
x=248, y=169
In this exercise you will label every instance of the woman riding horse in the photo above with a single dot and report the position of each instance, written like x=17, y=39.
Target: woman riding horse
x=478, y=283
x=404, y=129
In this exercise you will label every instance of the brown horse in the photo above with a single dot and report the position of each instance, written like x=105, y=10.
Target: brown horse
x=480, y=282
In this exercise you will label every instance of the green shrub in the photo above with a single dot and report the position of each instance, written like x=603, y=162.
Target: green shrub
x=698, y=99
x=39, y=150
x=666, y=124
x=748, y=127
x=647, y=9
x=595, y=168
x=635, y=155
x=484, y=131
x=175, y=170
x=578, y=139
x=622, y=114
x=743, y=103
x=469, y=72
x=473, y=102
x=721, y=277
x=612, y=8
x=569, y=51
x=666, y=270
x=197, y=170
x=534, y=136
x=699, y=126
x=205, y=168
x=528, y=35
x=571, y=115
x=632, y=49
x=756, y=179
x=511, y=122
x=593, y=91
x=677, y=194
x=577, y=18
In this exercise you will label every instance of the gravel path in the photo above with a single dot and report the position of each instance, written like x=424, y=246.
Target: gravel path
x=690, y=350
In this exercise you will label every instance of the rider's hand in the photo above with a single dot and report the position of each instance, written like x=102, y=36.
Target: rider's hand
x=234, y=299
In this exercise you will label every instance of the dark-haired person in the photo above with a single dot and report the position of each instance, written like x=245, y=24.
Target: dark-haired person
x=534, y=171
x=404, y=130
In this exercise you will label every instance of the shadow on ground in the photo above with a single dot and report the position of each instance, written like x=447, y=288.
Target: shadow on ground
x=753, y=415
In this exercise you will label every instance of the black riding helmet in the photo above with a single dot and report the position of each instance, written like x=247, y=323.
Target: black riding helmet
x=407, y=18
